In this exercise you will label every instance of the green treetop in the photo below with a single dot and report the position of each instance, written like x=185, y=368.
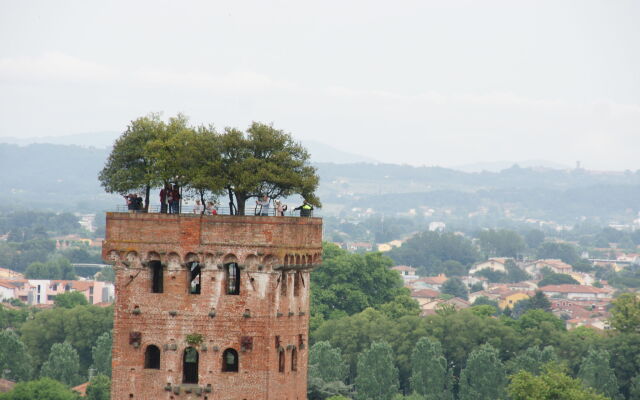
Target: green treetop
x=430, y=374
x=152, y=153
x=377, y=377
x=553, y=384
x=63, y=364
x=596, y=372
x=130, y=167
x=484, y=376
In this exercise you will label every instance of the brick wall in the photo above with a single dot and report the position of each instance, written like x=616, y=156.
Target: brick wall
x=270, y=252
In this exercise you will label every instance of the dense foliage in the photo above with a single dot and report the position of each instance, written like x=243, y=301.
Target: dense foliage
x=349, y=283
x=428, y=251
x=152, y=153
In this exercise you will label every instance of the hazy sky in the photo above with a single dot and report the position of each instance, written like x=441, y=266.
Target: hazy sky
x=419, y=82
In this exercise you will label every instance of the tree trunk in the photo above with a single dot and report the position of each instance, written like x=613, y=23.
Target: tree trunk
x=204, y=206
x=231, y=205
x=241, y=198
x=147, y=193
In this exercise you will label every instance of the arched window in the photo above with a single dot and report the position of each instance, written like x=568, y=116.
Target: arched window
x=232, y=278
x=195, y=277
x=152, y=357
x=230, y=361
x=157, y=277
x=190, y=366
x=281, y=360
x=294, y=360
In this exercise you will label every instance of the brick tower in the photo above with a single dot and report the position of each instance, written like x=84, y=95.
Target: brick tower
x=211, y=307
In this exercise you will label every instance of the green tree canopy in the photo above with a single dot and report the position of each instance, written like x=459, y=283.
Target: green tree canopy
x=500, y=243
x=101, y=354
x=10, y=318
x=557, y=279
x=57, y=267
x=80, y=326
x=596, y=372
x=553, y=384
x=532, y=360
x=326, y=362
x=63, y=364
x=130, y=167
x=377, y=377
x=429, y=250
x=564, y=251
x=634, y=391
x=625, y=314
x=99, y=388
x=534, y=238
x=261, y=161
x=70, y=300
x=455, y=287
x=266, y=161
x=484, y=376
x=42, y=389
x=348, y=283
x=14, y=357
x=430, y=374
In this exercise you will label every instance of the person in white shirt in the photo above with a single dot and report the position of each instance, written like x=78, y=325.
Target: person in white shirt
x=198, y=208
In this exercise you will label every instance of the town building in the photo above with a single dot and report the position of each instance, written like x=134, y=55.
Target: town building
x=407, y=273
x=495, y=263
x=428, y=282
x=6, y=273
x=557, y=266
x=575, y=292
x=211, y=307
x=44, y=291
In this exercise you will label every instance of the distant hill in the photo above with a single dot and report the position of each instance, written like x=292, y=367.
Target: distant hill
x=320, y=152
x=100, y=140
x=497, y=166
x=324, y=153
x=59, y=177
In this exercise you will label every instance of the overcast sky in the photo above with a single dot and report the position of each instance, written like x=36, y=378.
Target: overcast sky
x=419, y=82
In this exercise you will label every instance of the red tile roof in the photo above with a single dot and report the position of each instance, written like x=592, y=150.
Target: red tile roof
x=573, y=289
x=425, y=293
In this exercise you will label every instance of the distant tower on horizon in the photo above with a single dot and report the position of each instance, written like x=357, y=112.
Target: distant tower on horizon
x=578, y=165
x=211, y=307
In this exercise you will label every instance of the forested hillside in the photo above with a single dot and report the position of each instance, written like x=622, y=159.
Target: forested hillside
x=58, y=177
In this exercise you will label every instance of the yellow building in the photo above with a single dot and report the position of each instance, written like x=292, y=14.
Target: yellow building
x=511, y=299
x=10, y=274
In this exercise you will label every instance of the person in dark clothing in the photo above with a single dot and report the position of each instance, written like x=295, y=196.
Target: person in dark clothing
x=138, y=203
x=164, y=193
x=174, y=202
x=305, y=209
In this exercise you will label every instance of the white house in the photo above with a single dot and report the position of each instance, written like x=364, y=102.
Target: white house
x=496, y=264
x=407, y=273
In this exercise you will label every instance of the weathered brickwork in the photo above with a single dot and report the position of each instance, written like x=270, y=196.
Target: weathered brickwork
x=268, y=317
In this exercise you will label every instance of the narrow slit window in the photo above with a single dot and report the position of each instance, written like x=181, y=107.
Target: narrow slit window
x=281, y=360
x=283, y=284
x=152, y=357
x=195, y=277
x=297, y=283
x=294, y=360
x=157, y=277
x=230, y=361
x=190, y=365
x=233, y=278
